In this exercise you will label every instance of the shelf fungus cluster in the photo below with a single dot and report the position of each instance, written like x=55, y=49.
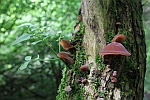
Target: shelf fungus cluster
x=65, y=56
x=112, y=54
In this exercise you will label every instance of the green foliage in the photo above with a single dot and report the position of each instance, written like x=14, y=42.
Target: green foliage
x=23, y=37
x=23, y=66
x=30, y=31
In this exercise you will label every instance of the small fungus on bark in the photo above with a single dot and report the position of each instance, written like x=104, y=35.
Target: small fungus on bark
x=119, y=38
x=118, y=23
x=79, y=17
x=113, y=79
x=84, y=68
x=66, y=57
x=114, y=73
x=84, y=81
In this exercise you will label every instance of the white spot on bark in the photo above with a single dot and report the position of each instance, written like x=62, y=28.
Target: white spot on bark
x=67, y=88
x=117, y=93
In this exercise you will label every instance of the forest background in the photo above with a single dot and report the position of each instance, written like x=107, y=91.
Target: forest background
x=30, y=31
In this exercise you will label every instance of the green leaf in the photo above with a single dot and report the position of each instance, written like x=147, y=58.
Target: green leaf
x=28, y=58
x=23, y=37
x=23, y=66
x=37, y=58
x=34, y=43
x=26, y=24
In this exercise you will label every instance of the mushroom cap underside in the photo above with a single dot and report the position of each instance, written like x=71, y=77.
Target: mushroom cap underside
x=66, y=57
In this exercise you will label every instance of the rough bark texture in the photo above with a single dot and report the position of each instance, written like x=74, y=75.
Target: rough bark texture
x=99, y=20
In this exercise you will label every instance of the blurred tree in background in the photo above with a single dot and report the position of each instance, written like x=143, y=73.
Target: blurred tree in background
x=30, y=70
x=146, y=20
x=29, y=38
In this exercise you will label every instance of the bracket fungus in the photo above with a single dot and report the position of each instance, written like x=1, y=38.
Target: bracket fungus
x=114, y=48
x=66, y=45
x=113, y=53
x=66, y=57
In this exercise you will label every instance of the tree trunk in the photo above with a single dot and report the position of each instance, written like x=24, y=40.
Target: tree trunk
x=101, y=21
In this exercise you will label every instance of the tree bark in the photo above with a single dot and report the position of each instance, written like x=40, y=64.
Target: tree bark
x=97, y=29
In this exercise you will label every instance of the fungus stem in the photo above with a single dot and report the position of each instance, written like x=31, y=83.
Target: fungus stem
x=47, y=43
x=59, y=43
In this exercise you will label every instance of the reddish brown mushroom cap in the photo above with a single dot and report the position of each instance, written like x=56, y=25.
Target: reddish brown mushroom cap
x=118, y=23
x=66, y=45
x=113, y=79
x=114, y=48
x=84, y=68
x=66, y=57
x=119, y=38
